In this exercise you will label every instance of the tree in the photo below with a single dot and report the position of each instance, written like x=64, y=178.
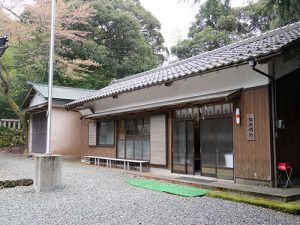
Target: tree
x=96, y=41
x=28, y=51
x=120, y=36
x=288, y=10
x=206, y=40
x=217, y=24
x=129, y=34
x=8, y=90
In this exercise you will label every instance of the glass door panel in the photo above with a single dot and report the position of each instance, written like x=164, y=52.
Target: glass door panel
x=190, y=147
x=146, y=140
x=183, y=147
x=179, y=147
x=129, y=135
x=138, y=139
x=121, y=139
x=216, y=137
x=208, y=147
x=225, y=148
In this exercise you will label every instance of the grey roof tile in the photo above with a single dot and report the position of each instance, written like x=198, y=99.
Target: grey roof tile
x=65, y=93
x=239, y=52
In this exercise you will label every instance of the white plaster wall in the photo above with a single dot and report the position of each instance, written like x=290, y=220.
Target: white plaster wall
x=65, y=132
x=37, y=100
x=224, y=80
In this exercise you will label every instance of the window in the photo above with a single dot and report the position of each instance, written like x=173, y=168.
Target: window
x=134, y=139
x=106, y=133
x=203, y=111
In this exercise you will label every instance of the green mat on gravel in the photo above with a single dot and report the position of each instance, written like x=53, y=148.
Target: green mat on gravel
x=175, y=189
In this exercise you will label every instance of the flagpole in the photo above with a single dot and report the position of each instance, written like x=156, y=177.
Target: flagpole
x=50, y=77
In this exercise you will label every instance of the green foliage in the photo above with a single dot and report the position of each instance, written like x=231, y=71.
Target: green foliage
x=217, y=24
x=10, y=137
x=206, y=40
x=288, y=10
x=96, y=41
x=5, y=111
x=129, y=36
x=120, y=36
x=16, y=82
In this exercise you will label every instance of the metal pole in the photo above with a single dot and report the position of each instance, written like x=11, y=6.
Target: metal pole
x=50, y=77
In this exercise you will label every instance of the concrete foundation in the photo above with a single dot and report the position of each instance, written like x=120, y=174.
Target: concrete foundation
x=48, y=172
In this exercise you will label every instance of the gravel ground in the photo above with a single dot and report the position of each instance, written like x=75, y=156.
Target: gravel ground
x=96, y=195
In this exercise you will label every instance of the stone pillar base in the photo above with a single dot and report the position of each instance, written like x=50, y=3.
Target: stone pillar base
x=48, y=172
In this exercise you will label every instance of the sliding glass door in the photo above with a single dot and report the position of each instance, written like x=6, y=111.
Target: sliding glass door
x=216, y=138
x=134, y=139
x=183, y=147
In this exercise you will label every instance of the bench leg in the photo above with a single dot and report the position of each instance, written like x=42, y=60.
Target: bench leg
x=141, y=168
x=288, y=177
x=124, y=165
x=107, y=163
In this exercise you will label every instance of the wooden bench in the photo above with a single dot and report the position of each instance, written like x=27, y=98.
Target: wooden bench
x=110, y=160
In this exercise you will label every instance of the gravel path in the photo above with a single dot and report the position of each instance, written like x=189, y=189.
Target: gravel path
x=96, y=195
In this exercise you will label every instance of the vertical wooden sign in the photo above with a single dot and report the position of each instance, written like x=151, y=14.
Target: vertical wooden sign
x=250, y=127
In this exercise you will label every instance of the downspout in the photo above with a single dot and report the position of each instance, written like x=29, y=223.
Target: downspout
x=272, y=80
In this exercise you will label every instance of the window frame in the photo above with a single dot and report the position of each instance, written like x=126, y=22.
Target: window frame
x=133, y=137
x=98, y=134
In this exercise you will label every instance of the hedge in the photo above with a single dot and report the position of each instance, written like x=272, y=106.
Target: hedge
x=10, y=137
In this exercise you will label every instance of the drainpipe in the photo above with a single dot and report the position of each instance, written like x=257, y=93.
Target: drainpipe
x=253, y=63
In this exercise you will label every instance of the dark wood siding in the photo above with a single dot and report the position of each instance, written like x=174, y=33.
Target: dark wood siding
x=288, y=109
x=39, y=132
x=252, y=158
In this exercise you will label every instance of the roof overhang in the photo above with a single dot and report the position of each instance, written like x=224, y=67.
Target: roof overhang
x=36, y=108
x=193, y=100
x=28, y=98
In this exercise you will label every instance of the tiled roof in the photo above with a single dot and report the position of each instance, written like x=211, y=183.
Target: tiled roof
x=230, y=55
x=64, y=93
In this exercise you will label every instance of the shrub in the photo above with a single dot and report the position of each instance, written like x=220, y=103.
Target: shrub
x=10, y=137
